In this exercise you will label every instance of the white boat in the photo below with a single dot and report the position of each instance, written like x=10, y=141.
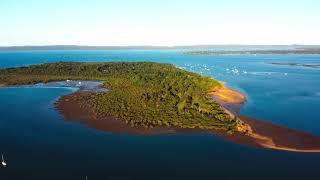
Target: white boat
x=3, y=162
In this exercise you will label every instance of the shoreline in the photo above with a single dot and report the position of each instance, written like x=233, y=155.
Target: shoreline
x=260, y=134
x=276, y=137
x=254, y=52
x=265, y=134
x=74, y=109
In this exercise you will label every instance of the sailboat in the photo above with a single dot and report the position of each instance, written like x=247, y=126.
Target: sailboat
x=3, y=162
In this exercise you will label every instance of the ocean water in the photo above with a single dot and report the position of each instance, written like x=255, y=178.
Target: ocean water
x=39, y=144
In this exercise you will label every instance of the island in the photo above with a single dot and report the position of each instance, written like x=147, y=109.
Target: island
x=153, y=98
x=254, y=52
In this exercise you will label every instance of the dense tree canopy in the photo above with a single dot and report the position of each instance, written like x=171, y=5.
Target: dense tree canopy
x=141, y=93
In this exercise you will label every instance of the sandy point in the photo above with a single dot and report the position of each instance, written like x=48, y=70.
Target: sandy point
x=258, y=132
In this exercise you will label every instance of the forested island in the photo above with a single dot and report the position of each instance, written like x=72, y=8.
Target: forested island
x=140, y=93
x=292, y=51
x=150, y=96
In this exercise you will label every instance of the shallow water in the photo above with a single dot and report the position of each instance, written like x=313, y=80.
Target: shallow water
x=76, y=85
x=38, y=143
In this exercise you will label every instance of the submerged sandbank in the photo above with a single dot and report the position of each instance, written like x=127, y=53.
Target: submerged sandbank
x=262, y=133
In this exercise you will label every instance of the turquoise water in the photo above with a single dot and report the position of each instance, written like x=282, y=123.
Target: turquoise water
x=39, y=144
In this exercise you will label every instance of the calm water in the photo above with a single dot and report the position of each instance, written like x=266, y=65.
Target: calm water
x=39, y=144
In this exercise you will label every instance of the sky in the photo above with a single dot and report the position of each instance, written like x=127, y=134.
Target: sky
x=159, y=22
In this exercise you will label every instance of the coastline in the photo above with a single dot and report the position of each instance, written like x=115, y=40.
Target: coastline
x=255, y=52
x=255, y=133
x=276, y=137
x=231, y=100
x=263, y=133
x=75, y=109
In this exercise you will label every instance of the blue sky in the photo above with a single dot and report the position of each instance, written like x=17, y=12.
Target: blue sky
x=159, y=22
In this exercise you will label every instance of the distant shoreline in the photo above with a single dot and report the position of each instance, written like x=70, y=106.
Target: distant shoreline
x=196, y=48
x=296, y=64
x=255, y=52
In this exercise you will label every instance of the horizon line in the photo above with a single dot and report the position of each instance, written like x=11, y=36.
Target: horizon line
x=148, y=45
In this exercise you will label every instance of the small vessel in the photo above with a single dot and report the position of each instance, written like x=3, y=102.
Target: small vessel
x=3, y=162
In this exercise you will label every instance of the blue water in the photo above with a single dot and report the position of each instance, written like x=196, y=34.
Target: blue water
x=39, y=144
